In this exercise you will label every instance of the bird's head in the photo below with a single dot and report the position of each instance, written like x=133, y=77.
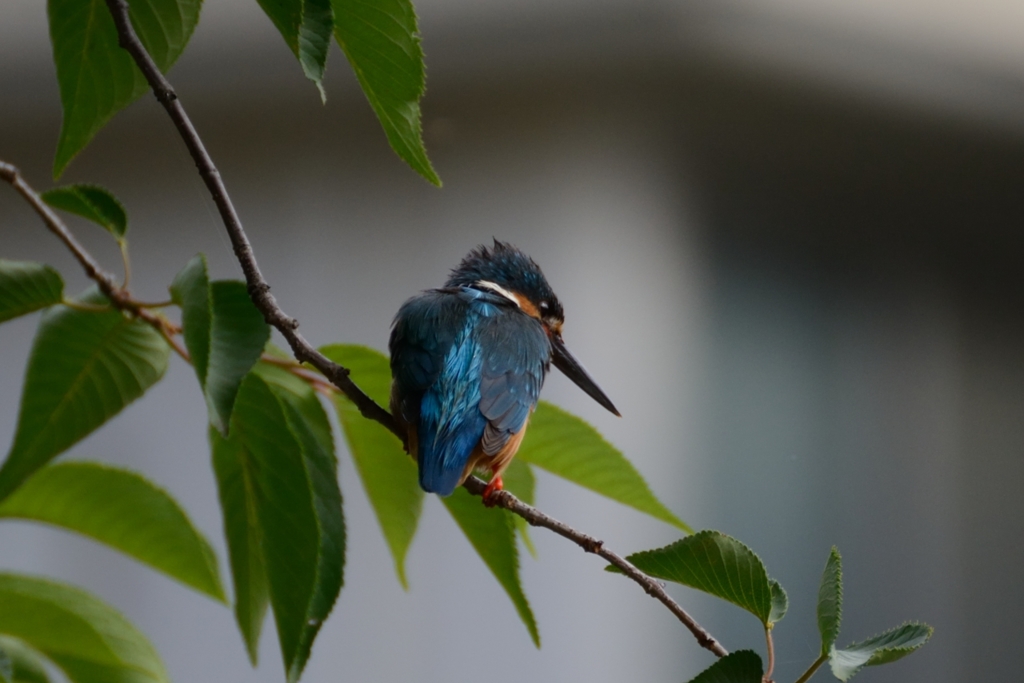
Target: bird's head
x=508, y=272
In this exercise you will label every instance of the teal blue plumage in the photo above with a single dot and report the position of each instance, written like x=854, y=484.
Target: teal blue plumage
x=468, y=367
x=468, y=362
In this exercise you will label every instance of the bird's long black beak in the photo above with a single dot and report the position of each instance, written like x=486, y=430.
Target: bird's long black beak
x=572, y=369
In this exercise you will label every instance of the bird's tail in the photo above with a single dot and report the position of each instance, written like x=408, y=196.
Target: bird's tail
x=444, y=448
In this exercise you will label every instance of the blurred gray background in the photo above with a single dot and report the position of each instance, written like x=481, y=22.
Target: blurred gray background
x=787, y=235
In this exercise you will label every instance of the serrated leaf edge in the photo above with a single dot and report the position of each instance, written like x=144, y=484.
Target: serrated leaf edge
x=833, y=554
x=75, y=187
x=905, y=650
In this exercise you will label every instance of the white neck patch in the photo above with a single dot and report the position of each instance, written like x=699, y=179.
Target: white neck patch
x=499, y=290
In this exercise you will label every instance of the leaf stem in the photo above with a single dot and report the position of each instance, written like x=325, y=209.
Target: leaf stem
x=152, y=304
x=767, y=678
x=259, y=292
x=318, y=383
x=811, y=669
x=123, y=244
x=84, y=306
x=169, y=336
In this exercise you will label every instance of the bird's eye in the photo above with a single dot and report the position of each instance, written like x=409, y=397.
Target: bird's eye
x=544, y=305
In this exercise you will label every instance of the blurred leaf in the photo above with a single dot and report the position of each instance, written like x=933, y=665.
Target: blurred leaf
x=388, y=474
x=26, y=286
x=89, y=640
x=96, y=77
x=519, y=479
x=84, y=368
x=224, y=333
x=306, y=26
x=780, y=602
x=23, y=664
x=714, y=563
x=93, y=203
x=884, y=648
x=382, y=43
x=830, y=601
x=563, y=444
x=742, y=666
x=123, y=510
x=283, y=517
x=491, y=532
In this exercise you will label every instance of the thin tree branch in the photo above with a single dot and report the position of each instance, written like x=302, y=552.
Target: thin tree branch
x=259, y=290
x=119, y=297
x=107, y=284
x=770, y=669
x=535, y=517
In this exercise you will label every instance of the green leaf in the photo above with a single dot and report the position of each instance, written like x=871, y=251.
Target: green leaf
x=308, y=421
x=306, y=26
x=190, y=290
x=93, y=203
x=23, y=664
x=96, y=77
x=742, y=666
x=89, y=640
x=830, y=601
x=237, y=491
x=26, y=286
x=780, y=602
x=388, y=474
x=123, y=510
x=565, y=445
x=84, y=368
x=283, y=518
x=300, y=395
x=238, y=334
x=884, y=648
x=382, y=43
x=714, y=563
x=519, y=480
x=491, y=533
x=224, y=333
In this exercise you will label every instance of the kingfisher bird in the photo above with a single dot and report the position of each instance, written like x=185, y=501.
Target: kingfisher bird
x=468, y=361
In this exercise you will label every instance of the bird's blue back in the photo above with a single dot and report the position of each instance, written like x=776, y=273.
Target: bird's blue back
x=468, y=367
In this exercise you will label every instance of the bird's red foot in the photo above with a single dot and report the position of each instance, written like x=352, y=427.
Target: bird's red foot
x=495, y=485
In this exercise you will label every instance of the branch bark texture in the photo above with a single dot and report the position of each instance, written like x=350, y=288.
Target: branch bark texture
x=593, y=545
x=259, y=290
x=107, y=283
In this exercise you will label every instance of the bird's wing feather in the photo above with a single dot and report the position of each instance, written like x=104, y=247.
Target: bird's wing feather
x=515, y=359
x=421, y=337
